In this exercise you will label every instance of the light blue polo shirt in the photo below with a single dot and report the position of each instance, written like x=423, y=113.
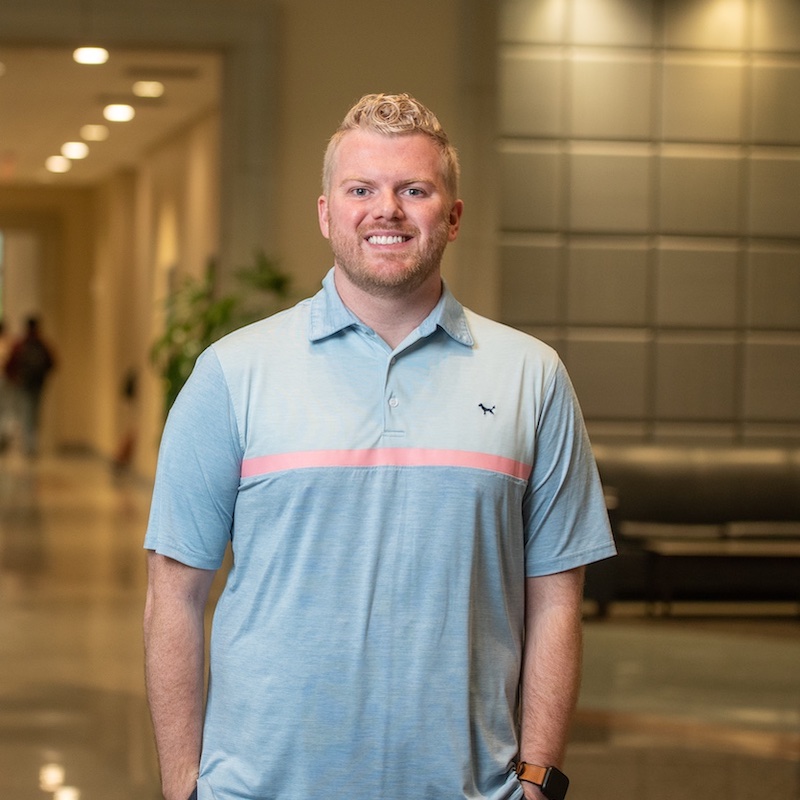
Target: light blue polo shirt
x=384, y=507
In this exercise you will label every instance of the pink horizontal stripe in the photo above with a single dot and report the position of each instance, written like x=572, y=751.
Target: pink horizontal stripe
x=384, y=457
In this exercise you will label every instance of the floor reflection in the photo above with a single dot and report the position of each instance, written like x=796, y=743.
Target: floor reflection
x=703, y=705
x=95, y=742
x=699, y=704
x=73, y=718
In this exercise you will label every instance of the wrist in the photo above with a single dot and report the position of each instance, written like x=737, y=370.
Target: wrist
x=180, y=788
x=180, y=794
x=549, y=782
x=531, y=792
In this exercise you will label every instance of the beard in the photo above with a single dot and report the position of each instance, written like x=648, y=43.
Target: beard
x=388, y=274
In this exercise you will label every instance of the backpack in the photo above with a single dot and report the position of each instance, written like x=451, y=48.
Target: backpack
x=32, y=362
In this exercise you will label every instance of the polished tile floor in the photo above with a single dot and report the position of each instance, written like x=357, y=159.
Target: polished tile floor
x=703, y=704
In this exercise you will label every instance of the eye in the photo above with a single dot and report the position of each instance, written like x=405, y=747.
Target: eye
x=359, y=191
x=415, y=191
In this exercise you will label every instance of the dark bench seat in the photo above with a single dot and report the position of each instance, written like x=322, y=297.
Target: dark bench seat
x=700, y=523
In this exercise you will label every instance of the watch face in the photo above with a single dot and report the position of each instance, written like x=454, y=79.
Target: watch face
x=555, y=784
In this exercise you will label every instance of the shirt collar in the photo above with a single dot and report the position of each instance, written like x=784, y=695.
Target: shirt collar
x=329, y=315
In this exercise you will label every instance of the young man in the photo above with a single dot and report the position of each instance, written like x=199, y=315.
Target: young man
x=410, y=498
x=27, y=368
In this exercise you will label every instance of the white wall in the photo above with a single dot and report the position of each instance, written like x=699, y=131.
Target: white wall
x=22, y=294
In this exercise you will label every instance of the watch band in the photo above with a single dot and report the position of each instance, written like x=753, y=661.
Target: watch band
x=551, y=780
x=532, y=773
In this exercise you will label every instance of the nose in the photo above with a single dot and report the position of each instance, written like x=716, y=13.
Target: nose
x=387, y=206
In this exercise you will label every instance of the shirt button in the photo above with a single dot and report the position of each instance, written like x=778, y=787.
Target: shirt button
x=393, y=402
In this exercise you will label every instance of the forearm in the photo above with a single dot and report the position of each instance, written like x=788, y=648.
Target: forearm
x=551, y=666
x=175, y=671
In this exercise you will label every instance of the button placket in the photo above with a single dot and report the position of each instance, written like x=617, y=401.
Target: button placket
x=392, y=400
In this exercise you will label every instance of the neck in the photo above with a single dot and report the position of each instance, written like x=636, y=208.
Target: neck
x=391, y=317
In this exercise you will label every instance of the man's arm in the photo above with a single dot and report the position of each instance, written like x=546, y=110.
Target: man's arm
x=175, y=668
x=551, y=667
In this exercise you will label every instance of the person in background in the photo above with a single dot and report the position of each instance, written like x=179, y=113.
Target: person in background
x=410, y=497
x=27, y=368
x=6, y=411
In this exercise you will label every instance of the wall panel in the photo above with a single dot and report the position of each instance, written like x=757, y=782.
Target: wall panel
x=610, y=96
x=607, y=283
x=699, y=191
x=702, y=98
x=697, y=288
x=773, y=288
x=609, y=189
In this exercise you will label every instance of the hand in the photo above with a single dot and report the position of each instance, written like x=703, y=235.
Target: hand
x=532, y=791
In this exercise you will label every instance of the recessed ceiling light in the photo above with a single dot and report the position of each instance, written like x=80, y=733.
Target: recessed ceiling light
x=90, y=55
x=119, y=112
x=148, y=88
x=58, y=164
x=75, y=150
x=94, y=133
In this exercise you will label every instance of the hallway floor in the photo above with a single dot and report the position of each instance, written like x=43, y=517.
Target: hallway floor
x=701, y=704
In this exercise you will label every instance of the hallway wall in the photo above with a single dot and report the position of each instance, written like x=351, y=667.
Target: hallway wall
x=153, y=224
x=61, y=220
x=650, y=208
x=21, y=289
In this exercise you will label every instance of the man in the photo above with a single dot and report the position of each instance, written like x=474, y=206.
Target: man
x=28, y=366
x=410, y=498
x=6, y=412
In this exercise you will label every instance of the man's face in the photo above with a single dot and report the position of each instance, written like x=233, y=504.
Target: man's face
x=388, y=216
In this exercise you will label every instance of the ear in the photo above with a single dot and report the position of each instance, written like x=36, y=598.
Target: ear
x=322, y=214
x=454, y=219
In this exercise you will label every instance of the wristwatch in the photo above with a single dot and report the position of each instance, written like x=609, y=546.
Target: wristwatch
x=551, y=780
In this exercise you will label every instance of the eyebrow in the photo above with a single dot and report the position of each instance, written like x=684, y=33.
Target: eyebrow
x=405, y=182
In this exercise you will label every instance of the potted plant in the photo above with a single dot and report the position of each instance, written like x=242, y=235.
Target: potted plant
x=197, y=315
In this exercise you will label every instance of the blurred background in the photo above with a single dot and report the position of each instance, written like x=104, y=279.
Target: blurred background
x=631, y=176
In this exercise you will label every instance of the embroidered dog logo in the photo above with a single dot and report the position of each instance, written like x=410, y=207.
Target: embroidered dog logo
x=486, y=410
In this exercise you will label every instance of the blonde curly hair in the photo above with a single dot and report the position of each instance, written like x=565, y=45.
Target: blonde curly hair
x=394, y=115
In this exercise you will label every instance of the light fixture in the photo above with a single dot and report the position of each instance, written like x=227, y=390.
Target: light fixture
x=148, y=88
x=119, y=112
x=58, y=164
x=67, y=793
x=75, y=150
x=94, y=133
x=90, y=55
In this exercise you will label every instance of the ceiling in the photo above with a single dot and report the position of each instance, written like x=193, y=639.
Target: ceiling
x=45, y=99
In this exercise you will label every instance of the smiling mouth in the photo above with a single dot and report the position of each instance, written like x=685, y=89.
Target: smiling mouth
x=387, y=239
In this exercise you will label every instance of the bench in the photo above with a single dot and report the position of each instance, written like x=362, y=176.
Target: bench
x=667, y=561
x=699, y=523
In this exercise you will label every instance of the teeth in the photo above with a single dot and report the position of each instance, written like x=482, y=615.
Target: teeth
x=386, y=239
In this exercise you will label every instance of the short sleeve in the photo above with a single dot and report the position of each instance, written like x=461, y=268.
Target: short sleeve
x=198, y=471
x=566, y=522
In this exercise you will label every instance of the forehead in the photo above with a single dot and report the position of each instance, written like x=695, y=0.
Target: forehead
x=366, y=154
